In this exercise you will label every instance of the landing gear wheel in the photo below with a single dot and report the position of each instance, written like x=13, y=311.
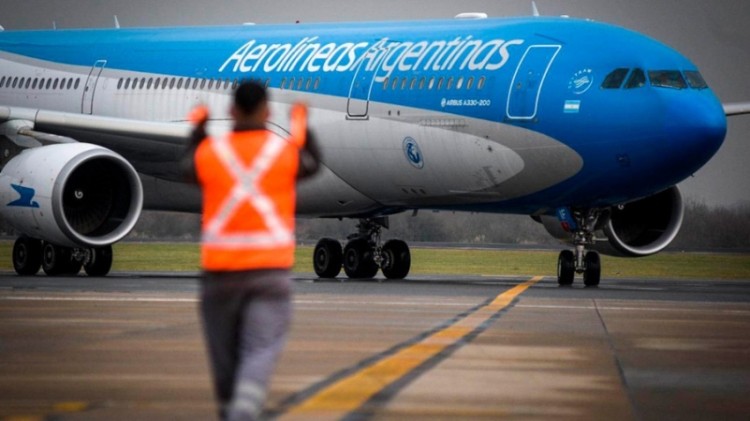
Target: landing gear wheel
x=566, y=267
x=58, y=260
x=396, y=259
x=100, y=261
x=327, y=258
x=27, y=255
x=593, y=271
x=359, y=259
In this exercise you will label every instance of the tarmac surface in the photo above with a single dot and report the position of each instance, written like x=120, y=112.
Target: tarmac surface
x=129, y=346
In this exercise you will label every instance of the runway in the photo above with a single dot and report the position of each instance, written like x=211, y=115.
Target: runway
x=129, y=346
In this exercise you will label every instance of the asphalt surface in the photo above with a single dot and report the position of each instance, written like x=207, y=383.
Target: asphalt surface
x=129, y=346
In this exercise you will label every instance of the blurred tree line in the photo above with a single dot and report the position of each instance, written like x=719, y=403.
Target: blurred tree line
x=704, y=227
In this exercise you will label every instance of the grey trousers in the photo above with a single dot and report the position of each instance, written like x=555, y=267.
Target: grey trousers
x=246, y=317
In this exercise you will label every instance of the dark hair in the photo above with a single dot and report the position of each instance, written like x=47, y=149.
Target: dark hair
x=249, y=96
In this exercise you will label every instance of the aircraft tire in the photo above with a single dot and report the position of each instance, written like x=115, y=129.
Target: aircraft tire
x=100, y=262
x=27, y=255
x=58, y=261
x=592, y=273
x=396, y=259
x=566, y=268
x=359, y=259
x=327, y=258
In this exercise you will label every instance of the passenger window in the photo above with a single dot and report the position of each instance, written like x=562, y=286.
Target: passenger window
x=413, y=83
x=470, y=82
x=179, y=82
x=440, y=83
x=615, y=78
x=62, y=83
x=235, y=83
x=480, y=83
x=49, y=83
x=142, y=84
x=127, y=84
x=695, y=80
x=449, y=85
x=157, y=82
x=432, y=83
x=150, y=83
x=422, y=81
x=394, y=85
x=20, y=83
x=460, y=82
x=120, y=83
x=164, y=83
x=2, y=81
x=28, y=83
x=385, y=83
x=41, y=83
x=317, y=83
x=203, y=83
x=667, y=79
x=54, y=85
x=283, y=82
x=300, y=81
x=70, y=83
x=637, y=79
x=78, y=82
x=308, y=84
x=210, y=84
x=172, y=82
x=33, y=85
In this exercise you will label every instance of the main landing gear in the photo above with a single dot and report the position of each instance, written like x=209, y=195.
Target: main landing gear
x=579, y=260
x=30, y=254
x=363, y=255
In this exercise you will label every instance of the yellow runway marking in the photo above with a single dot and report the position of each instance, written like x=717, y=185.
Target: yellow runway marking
x=351, y=392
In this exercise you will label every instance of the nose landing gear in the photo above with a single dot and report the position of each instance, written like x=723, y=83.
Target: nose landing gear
x=579, y=260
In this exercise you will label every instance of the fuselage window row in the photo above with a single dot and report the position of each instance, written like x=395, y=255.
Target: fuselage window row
x=173, y=83
x=39, y=83
x=431, y=83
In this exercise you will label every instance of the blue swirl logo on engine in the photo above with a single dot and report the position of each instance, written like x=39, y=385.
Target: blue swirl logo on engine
x=412, y=152
x=26, y=197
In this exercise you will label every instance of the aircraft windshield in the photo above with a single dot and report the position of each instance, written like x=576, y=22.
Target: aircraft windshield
x=637, y=79
x=614, y=80
x=667, y=79
x=695, y=80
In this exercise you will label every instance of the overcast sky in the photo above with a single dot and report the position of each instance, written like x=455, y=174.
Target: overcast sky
x=714, y=34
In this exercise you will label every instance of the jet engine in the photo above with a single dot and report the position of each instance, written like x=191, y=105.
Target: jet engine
x=635, y=229
x=73, y=195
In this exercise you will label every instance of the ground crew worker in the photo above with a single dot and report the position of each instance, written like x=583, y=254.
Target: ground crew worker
x=248, y=182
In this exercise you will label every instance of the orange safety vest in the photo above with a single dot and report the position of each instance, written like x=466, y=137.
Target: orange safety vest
x=248, y=180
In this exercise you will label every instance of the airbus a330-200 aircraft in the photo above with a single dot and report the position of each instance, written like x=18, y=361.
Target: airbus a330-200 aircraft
x=584, y=126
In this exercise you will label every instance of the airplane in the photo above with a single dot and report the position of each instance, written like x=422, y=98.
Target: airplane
x=586, y=127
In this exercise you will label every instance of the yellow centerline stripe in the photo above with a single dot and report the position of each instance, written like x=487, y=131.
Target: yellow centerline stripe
x=351, y=392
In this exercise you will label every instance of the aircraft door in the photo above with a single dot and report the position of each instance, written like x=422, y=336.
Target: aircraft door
x=526, y=86
x=358, y=103
x=89, y=88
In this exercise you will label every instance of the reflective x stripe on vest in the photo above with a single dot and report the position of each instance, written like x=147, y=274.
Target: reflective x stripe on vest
x=247, y=189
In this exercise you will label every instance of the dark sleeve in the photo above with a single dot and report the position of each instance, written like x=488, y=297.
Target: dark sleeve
x=309, y=157
x=187, y=159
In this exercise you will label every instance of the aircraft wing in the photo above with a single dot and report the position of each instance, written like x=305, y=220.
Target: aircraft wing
x=153, y=148
x=737, y=108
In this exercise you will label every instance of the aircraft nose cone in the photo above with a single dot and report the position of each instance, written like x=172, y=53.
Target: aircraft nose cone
x=698, y=127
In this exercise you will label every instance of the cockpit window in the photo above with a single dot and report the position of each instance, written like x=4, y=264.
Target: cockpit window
x=614, y=80
x=695, y=80
x=637, y=79
x=667, y=79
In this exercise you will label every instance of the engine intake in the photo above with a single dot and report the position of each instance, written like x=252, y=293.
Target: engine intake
x=74, y=194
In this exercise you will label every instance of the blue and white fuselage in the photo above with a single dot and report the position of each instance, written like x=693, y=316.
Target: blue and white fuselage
x=527, y=115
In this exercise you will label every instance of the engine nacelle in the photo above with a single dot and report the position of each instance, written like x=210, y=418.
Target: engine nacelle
x=640, y=228
x=73, y=194
x=646, y=226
